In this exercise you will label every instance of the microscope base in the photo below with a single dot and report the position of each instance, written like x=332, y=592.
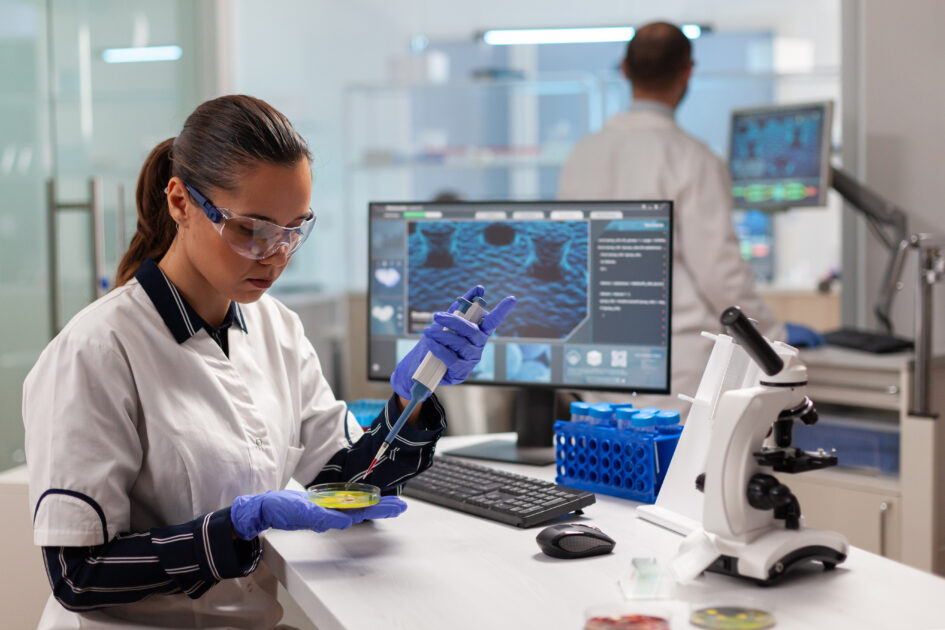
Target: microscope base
x=766, y=560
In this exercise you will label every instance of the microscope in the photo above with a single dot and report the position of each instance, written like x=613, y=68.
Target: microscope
x=752, y=525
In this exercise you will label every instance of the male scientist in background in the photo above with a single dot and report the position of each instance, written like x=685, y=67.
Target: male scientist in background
x=643, y=154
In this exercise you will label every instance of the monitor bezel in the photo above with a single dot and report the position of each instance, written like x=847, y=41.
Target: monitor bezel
x=555, y=386
x=825, y=148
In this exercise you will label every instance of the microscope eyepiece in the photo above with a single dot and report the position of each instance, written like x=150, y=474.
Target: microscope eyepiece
x=755, y=345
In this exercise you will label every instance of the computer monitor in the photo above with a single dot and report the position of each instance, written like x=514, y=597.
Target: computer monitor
x=779, y=156
x=593, y=282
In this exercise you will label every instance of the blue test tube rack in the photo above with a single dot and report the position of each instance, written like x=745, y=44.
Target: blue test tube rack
x=365, y=410
x=630, y=464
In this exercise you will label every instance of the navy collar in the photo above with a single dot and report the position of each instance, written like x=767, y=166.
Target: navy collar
x=180, y=317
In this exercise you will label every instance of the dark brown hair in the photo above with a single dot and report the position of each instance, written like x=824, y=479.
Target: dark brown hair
x=657, y=55
x=220, y=141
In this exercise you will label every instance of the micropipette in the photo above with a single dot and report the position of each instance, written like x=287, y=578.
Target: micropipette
x=428, y=375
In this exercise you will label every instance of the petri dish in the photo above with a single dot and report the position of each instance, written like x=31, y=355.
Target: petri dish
x=629, y=621
x=731, y=618
x=344, y=496
x=732, y=611
x=639, y=615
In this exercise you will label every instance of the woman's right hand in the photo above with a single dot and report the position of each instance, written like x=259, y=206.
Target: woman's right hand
x=291, y=509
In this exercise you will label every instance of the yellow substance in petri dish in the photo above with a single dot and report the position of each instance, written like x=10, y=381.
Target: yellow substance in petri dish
x=343, y=499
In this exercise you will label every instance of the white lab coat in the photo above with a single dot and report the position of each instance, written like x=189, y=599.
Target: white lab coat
x=158, y=433
x=643, y=154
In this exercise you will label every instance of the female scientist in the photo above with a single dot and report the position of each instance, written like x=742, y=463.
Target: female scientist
x=163, y=421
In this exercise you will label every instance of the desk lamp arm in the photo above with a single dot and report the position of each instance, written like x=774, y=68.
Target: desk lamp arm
x=880, y=213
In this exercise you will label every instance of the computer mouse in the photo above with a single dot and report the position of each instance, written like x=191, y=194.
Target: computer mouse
x=572, y=540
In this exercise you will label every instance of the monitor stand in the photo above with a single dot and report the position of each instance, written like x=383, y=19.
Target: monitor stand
x=534, y=424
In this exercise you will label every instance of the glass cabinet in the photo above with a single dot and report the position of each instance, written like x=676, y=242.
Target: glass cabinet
x=67, y=116
x=488, y=139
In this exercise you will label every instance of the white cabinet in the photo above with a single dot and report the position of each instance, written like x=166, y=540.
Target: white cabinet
x=24, y=587
x=866, y=510
x=903, y=516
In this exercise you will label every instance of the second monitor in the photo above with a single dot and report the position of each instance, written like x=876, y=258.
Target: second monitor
x=779, y=156
x=593, y=282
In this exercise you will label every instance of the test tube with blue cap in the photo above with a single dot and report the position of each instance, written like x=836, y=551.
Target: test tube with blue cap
x=667, y=417
x=667, y=422
x=579, y=412
x=601, y=414
x=623, y=416
x=428, y=375
x=643, y=421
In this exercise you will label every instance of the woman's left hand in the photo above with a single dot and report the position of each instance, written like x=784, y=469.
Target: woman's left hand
x=459, y=348
x=387, y=507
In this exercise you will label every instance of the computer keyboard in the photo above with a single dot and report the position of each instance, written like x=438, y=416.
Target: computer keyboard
x=494, y=494
x=874, y=342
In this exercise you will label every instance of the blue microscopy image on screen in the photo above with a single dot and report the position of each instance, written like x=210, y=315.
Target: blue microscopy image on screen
x=777, y=145
x=528, y=363
x=542, y=263
x=484, y=371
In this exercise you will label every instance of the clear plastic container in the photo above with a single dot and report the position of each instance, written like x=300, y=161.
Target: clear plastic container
x=344, y=496
x=579, y=412
x=623, y=416
x=601, y=414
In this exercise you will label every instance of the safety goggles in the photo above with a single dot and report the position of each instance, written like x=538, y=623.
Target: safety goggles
x=253, y=238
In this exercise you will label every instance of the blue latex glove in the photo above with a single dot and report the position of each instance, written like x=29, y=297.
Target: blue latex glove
x=282, y=509
x=802, y=336
x=459, y=348
x=387, y=507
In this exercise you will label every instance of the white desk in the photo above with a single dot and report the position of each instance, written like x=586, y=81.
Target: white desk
x=438, y=568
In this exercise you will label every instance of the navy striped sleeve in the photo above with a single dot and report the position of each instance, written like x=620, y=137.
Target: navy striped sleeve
x=188, y=558
x=202, y=552
x=123, y=571
x=410, y=453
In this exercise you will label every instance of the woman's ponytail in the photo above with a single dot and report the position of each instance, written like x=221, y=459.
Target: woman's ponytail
x=155, y=229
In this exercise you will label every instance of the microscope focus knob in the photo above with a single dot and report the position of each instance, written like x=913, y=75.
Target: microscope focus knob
x=765, y=492
x=760, y=489
x=780, y=495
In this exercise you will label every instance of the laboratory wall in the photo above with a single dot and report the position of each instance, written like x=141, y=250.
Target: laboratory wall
x=901, y=132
